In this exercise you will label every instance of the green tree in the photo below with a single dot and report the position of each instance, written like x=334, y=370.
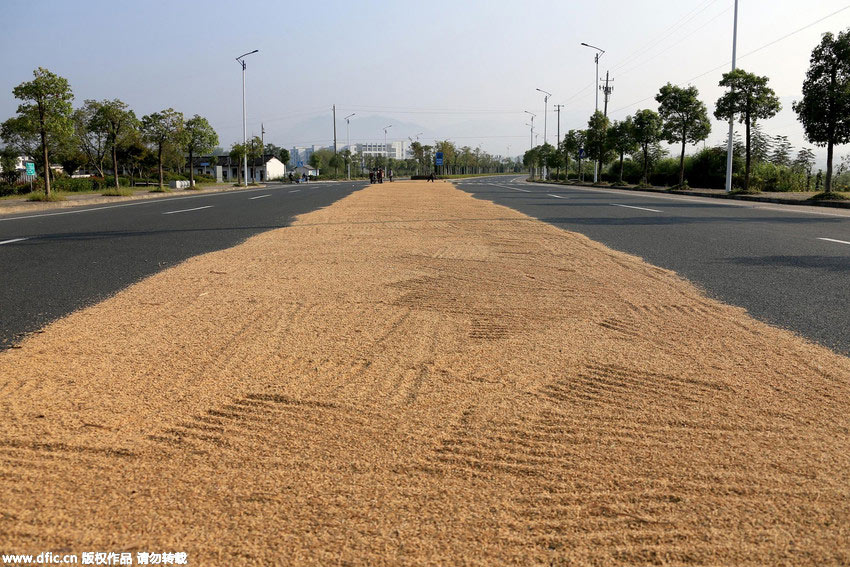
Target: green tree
x=572, y=145
x=597, y=138
x=749, y=99
x=45, y=112
x=119, y=121
x=621, y=138
x=283, y=156
x=316, y=161
x=530, y=159
x=163, y=129
x=8, y=163
x=825, y=107
x=647, y=133
x=91, y=134
x=804, y=162
x=200, y=138
x=237, y=154
x=684, y=117
x=782, y=151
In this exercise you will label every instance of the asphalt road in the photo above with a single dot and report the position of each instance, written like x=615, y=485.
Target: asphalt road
x=787, y=265
x=55, y=262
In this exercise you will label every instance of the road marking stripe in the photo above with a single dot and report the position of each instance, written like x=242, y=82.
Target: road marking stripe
x=13, y=240
x=557, y=196
x=260, y=196
x=827, y=239
x=638, y=208
x=188, y=210
x=295, y=190
x=516, y=189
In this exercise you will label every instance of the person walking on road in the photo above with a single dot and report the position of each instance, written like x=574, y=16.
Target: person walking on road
x=390, y=174
x=380, y=175
x=371, y=177
x=290, y=177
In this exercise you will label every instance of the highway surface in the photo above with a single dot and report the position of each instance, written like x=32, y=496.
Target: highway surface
x=57, y=261
x=787, y=265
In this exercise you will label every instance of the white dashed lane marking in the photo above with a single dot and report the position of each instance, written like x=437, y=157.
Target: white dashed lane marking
x=12, y=240
x=187, y=210
x=638, y=208
x=826, y=239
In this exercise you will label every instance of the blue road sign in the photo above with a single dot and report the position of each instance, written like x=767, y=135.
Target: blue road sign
x=30, y=168
x=300, y=164
x=582, y=154
x=439, y=160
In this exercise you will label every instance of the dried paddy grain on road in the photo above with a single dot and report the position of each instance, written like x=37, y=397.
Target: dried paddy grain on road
x=412, y=376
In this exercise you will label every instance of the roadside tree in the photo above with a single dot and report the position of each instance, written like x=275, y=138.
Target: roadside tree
x=685, y=119
x=91, y=134
x=45, y=113
x=597, y=138
x=825, y=107
x=163, y=130
x=647, y=133
x=200, y=138
x=120, y=122
x=621, y=138
x=749, y=99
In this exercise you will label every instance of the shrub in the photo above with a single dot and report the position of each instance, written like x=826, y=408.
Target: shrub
x=41, y=196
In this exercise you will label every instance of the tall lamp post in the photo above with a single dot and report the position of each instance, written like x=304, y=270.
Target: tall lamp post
x=545, y=113
x=596, y=88
x=545, y=121
x=531, y=139
x=241, y=60
x=731, y=118
x=348, y=141
x=386, y=151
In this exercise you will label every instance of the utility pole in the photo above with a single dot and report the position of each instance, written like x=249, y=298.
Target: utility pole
x=334, y=111
x=731, y=118
x=606, y=90
x=558, y=108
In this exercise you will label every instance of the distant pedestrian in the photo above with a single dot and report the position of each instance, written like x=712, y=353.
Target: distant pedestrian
x=380, y=175
x=371, y=177
x=431, y=177
x=390, y=174
x=291, y=177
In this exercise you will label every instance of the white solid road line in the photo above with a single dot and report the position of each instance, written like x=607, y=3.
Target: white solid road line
x=557, y=196
x=638, y=208
x=827, y=239
x=13, y=240
x=260, y=196
x=295, y=190
x=515, y=188
x=188, y=210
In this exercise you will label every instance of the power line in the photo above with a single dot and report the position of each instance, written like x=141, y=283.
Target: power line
x=756, y=50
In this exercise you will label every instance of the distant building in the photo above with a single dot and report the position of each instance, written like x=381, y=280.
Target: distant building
x=225, y=168
x=395, y=150
x=300, y=155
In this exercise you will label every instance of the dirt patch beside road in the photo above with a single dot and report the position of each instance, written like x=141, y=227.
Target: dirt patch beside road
x=413, y=376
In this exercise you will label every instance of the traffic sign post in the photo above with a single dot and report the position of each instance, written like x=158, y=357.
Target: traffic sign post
x=439, y=159
x=582, y=154
x=30, y=172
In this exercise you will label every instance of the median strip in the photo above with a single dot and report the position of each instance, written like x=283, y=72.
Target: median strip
x=187, y=210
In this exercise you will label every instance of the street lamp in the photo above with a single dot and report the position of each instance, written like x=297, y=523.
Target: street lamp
x=732, y=117
x=545, y=112
x=386, y=151
x=348, y=140
x=241, y=61
x=531, y=142
x=596, y=88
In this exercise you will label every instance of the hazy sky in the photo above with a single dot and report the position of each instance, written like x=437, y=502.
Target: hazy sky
x=463, y=70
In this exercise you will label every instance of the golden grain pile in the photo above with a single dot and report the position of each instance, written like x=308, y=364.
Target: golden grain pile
x=415, y=377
